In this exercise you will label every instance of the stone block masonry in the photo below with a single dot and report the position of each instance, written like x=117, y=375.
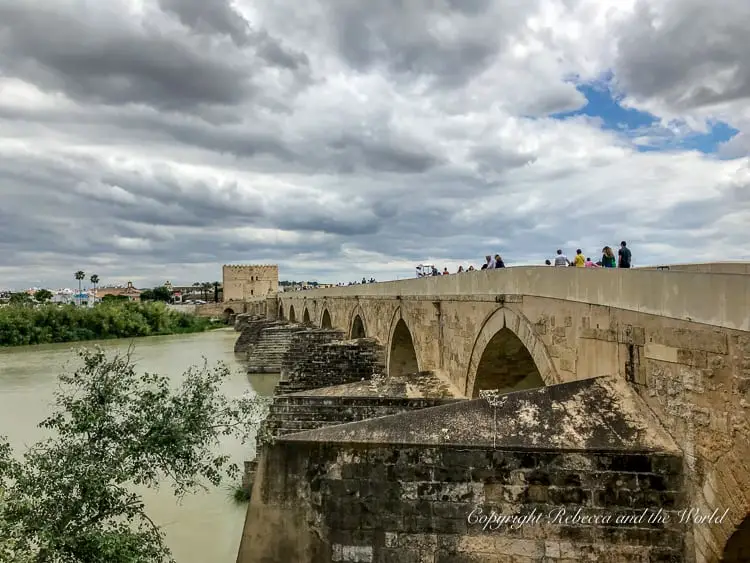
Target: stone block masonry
x=341, y=404
x=319, y=358
x=265, y=343
x=300, y=412
x=582, y=463
x=388, y=504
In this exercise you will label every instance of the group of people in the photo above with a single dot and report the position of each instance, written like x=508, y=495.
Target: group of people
x=624, y=258
x=424, y=270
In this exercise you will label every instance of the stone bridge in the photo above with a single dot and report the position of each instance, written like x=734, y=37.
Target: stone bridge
x=680, y=339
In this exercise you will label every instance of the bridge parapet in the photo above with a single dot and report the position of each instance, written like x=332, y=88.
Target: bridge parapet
x=721, y=300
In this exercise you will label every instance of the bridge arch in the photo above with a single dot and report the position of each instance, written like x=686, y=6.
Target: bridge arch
x=306, y=317
x=402, y=354
x=228, y=313
x=325, y=319
x=357, y=327
x=508, y=355
x=280, y=316
x=737, y=549
x=292, y=315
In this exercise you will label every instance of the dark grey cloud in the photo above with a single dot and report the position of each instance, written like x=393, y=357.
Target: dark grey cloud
x=92, y=57
x=215, y=17
x=687, y=53
x=221, y=17
x=342, y=139
x=448, y=42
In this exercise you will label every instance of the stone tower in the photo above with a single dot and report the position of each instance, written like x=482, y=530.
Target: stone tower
x=242, y=282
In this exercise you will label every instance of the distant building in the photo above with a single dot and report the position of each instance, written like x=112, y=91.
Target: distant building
x=128, y=291
x=243, y=282
x=181, y=293
x=63, y=296
x=86, y=298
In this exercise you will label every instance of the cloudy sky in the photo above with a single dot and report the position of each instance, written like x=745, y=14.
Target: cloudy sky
x=149, y=140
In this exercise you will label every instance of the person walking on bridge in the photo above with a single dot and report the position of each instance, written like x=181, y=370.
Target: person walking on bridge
x=579, y=260
x=561, y=259
x=624, y=256
x=608, y=258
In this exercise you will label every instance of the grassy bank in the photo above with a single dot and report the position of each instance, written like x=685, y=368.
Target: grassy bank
x=51, y=323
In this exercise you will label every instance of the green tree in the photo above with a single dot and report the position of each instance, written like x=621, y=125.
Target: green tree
x=147, y=295
x=21, y=325
x=206, y=287
x=20, y=299
x=43, y=295
x=216, y=292
x=70, y=498
x=161, y=293
x=80, y=275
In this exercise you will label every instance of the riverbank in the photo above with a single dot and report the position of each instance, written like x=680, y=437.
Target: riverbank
x=23, y=326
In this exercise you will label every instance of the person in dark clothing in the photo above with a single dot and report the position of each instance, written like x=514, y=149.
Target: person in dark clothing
x=624, y=255
x=499, y=262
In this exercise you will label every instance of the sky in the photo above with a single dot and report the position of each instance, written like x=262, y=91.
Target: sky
x=154, y=140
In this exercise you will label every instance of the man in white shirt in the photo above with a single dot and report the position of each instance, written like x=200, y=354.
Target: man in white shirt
x=561, y=259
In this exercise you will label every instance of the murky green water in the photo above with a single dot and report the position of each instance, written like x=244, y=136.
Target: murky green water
x=205, y=527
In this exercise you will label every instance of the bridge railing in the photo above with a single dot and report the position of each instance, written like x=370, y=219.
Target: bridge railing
x=715, y=299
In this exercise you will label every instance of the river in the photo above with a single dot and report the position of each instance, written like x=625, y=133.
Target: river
x=206, y=526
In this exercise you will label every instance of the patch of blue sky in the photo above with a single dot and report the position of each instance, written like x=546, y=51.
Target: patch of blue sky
x=644, y=130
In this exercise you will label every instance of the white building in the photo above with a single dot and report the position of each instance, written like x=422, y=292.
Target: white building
x=71, y=297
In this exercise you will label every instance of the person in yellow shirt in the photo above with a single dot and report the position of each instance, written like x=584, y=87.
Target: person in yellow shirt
x=580, y=259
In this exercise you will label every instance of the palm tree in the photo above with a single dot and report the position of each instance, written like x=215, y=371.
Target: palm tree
x=95, y=281
x=216, y=292
x=206, y=286
x=80, y=275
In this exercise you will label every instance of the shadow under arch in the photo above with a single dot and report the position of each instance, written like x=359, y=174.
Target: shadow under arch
x=402, y=355
x=508, y=356
x=325, y=320
x=281, y=312
x=306, y=317
x=292, y=315
x=737, y=549
x=357, y=327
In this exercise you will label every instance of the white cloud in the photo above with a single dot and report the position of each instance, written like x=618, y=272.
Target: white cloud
x=161, y=139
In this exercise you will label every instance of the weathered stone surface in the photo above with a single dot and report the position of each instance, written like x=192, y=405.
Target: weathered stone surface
x=600, y=413
x=430, y=503
x=319, y=358
x=416, y=385
x=265, y=344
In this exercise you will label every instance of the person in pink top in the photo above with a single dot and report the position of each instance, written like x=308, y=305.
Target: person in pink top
x=590, y=264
